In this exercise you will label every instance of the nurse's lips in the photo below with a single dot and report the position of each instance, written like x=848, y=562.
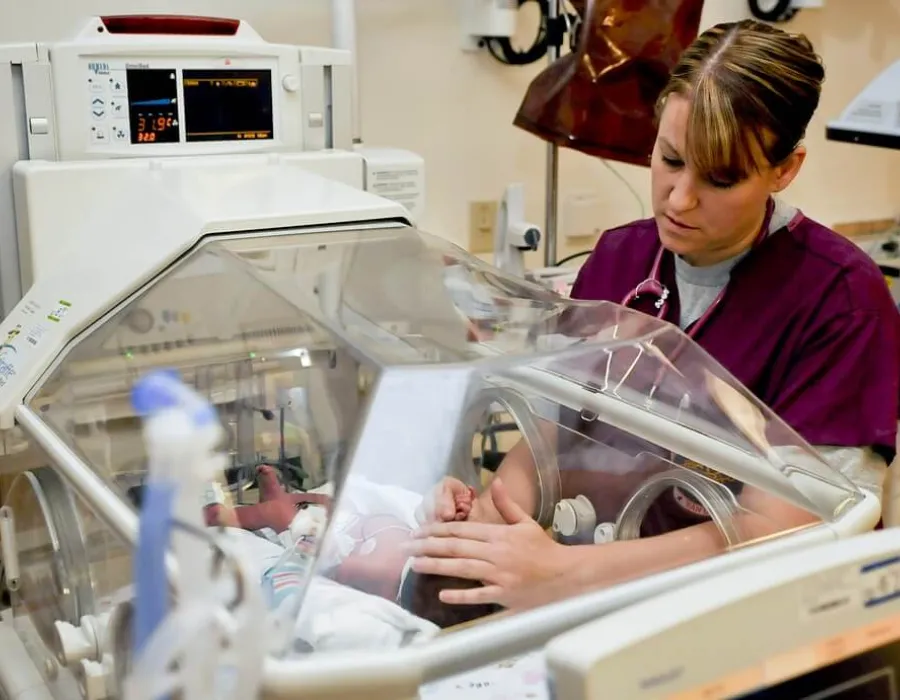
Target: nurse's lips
x=678, y=225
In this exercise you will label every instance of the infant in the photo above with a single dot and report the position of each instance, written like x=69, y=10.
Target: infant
x=374, y=561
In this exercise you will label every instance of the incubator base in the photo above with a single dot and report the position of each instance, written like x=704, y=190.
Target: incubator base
x=521, y=678
x=19, y=677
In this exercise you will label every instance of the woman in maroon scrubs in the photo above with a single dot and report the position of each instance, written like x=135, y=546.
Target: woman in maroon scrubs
x=799, y=315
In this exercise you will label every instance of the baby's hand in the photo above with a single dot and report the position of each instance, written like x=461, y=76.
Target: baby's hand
x=450, y=500
x=463, y=501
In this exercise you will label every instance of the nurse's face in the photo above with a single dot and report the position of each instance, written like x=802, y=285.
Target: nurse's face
x=707, y=222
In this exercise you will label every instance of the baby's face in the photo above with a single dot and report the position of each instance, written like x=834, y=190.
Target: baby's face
x=376, y=563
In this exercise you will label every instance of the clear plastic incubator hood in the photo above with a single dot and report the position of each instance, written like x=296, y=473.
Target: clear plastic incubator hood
x=352, y=366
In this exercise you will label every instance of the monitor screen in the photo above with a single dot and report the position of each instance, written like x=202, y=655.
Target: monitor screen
x=153, y=105
x=228, y=105
x=871, y=675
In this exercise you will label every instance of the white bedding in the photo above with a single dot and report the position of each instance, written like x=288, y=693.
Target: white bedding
x=334, y=617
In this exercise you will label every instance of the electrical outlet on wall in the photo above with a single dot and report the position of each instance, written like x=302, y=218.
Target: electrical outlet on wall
x=583, y=215
x=482, y=219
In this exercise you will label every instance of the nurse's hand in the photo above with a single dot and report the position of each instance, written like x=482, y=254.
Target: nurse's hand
x=450, y=500
x=516, y=562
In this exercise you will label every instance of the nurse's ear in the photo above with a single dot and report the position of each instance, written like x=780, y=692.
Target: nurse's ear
x=784, y=173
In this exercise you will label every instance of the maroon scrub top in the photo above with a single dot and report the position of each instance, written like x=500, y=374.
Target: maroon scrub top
x=806, y=323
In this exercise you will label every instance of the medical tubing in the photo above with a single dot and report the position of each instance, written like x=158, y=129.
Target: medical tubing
x=187, y=626
x=151, y=584
x=719, y=503
x=220, y=621
x=180, y=431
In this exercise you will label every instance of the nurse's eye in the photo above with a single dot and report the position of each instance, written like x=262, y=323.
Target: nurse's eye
x=721, y=184
x=673, y=163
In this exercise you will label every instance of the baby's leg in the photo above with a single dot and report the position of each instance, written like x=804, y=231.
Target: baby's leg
x=276, y=515
x=276, y=509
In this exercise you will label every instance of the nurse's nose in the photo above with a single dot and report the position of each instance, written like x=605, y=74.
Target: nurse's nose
x=683, y=196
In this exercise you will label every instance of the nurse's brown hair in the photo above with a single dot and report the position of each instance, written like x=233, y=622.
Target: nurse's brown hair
x=753, y=89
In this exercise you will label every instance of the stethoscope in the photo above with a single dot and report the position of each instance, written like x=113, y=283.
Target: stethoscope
x=653, y=286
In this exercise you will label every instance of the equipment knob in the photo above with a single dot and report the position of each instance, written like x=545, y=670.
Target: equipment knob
x=574, y=517
x=291, y=83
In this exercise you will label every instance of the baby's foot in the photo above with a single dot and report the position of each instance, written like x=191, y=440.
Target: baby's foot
x=270, y=487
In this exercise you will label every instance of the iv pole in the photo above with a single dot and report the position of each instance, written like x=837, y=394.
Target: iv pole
x=551, y=184
x=343, y=36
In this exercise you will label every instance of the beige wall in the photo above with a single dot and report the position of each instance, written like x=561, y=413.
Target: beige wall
x=419, y=91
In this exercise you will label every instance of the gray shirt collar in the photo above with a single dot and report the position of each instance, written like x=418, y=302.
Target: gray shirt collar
x=717, y=275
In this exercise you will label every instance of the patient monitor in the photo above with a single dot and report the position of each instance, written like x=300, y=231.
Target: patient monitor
x=141, y=91
x=350, y=358
x=872, y=118
x=821, y=624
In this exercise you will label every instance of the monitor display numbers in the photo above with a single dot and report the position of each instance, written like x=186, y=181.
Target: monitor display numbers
x=156, y=129
x=228, y=105
x=153, y=106
x=219, y=105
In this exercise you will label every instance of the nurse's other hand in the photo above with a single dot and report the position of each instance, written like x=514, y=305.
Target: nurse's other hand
x=450, y=500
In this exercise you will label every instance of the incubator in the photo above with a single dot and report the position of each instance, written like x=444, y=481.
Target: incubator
x=351, y=366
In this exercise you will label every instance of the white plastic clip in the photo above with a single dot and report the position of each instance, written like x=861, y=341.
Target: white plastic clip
x=604, y=533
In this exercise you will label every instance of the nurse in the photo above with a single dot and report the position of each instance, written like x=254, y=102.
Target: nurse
x=798, y=314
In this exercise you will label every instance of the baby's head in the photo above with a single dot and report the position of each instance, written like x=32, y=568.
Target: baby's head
x=419, y=595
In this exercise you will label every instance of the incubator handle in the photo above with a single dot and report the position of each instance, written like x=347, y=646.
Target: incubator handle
x=9, y=554
x=170, y=25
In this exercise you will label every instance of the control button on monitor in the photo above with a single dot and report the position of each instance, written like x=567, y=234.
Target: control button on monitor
x=99, y=135
x=118, y=108
x=98, y=108
x=117, y=85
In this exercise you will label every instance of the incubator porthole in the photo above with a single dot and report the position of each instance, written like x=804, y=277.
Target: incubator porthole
x=54, y=581
x=504, y=418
